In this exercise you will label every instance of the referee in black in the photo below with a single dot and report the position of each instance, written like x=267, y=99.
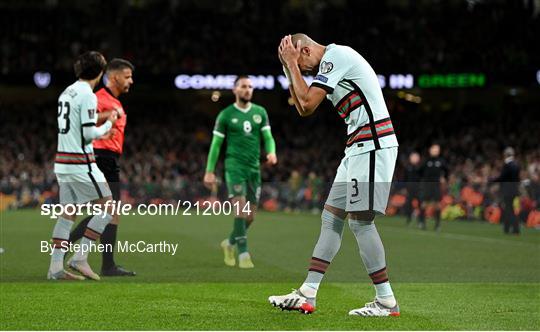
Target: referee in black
x=412, y=184
x=434, y=173
x=509, y=189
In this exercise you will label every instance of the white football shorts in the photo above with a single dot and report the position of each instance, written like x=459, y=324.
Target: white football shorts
x=363, y=181
x=80, y=188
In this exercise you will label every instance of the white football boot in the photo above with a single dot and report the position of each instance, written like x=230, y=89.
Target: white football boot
x=228, y=253
x=293, y=301
x=63, y=275
x=83, y=268
x=375, y=309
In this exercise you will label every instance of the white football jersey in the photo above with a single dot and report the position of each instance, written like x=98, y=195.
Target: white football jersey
x=354, y=90
x=76, y=108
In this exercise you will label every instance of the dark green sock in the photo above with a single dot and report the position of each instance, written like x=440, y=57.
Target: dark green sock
x=237, y=229
x=232, y=240
x=238, y=235
x=232, y=236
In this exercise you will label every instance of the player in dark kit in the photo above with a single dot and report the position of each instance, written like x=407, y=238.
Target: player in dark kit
x=108, y=149
x=509, y=189
x=412, y=183
x=434, y=173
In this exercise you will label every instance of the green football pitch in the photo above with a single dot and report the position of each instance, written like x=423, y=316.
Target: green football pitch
x=467, y=277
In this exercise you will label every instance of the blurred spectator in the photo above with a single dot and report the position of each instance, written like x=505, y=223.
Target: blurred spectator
x=509, y=187
x=166, y=152
x=411, y=180
x=167, y=142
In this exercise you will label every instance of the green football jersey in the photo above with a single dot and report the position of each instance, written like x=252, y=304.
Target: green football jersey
x=243, y=131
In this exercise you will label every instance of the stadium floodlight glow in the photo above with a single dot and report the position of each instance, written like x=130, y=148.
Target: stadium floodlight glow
x=220, y=82
x=42, y=79
x=284, y=82
x=382, y=81
x=271, y=82
x=201, y=82
x=460, y=80
x=263, y=82
x=400, y=81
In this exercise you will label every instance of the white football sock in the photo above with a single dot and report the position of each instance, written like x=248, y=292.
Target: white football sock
x=309, y=289
x=60, y=233
x=96, y=225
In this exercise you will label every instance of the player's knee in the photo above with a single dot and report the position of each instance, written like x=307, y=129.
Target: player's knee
x=358, y=226
x=70, y=217
x=362, y=217
x=335, y=211
x=331, y=221
x=238, y=203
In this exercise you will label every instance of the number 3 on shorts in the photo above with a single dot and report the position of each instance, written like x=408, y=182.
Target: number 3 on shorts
x=355, y=188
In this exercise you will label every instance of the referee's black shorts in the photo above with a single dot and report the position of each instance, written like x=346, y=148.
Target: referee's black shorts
x=107, y=161
x=430, y=192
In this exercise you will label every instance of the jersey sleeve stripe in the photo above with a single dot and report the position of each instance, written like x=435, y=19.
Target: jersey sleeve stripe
x=217, y=133
x=324, y=87
x=88, y=124
x=265, y=128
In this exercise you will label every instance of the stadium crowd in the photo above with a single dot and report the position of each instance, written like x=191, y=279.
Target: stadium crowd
x=165, y=152
x=165, y=156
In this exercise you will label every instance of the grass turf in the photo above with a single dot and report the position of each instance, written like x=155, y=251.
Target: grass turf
x=469, y=276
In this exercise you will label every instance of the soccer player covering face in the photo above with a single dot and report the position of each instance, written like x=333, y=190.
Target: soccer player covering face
x=362, y=183
x=79, y=179
x=108, y=149
x=243, y=124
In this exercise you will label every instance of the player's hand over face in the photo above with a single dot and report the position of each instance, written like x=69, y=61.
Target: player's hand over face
x=209, y=180
x=271, y=159
x=279, y=55
x=289, y=52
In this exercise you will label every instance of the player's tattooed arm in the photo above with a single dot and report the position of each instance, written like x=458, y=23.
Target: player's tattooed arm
x=306, y=99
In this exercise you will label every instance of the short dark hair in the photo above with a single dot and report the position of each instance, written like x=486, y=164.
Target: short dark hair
x=89, y=65
x=240, y=77
x=119, y=64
